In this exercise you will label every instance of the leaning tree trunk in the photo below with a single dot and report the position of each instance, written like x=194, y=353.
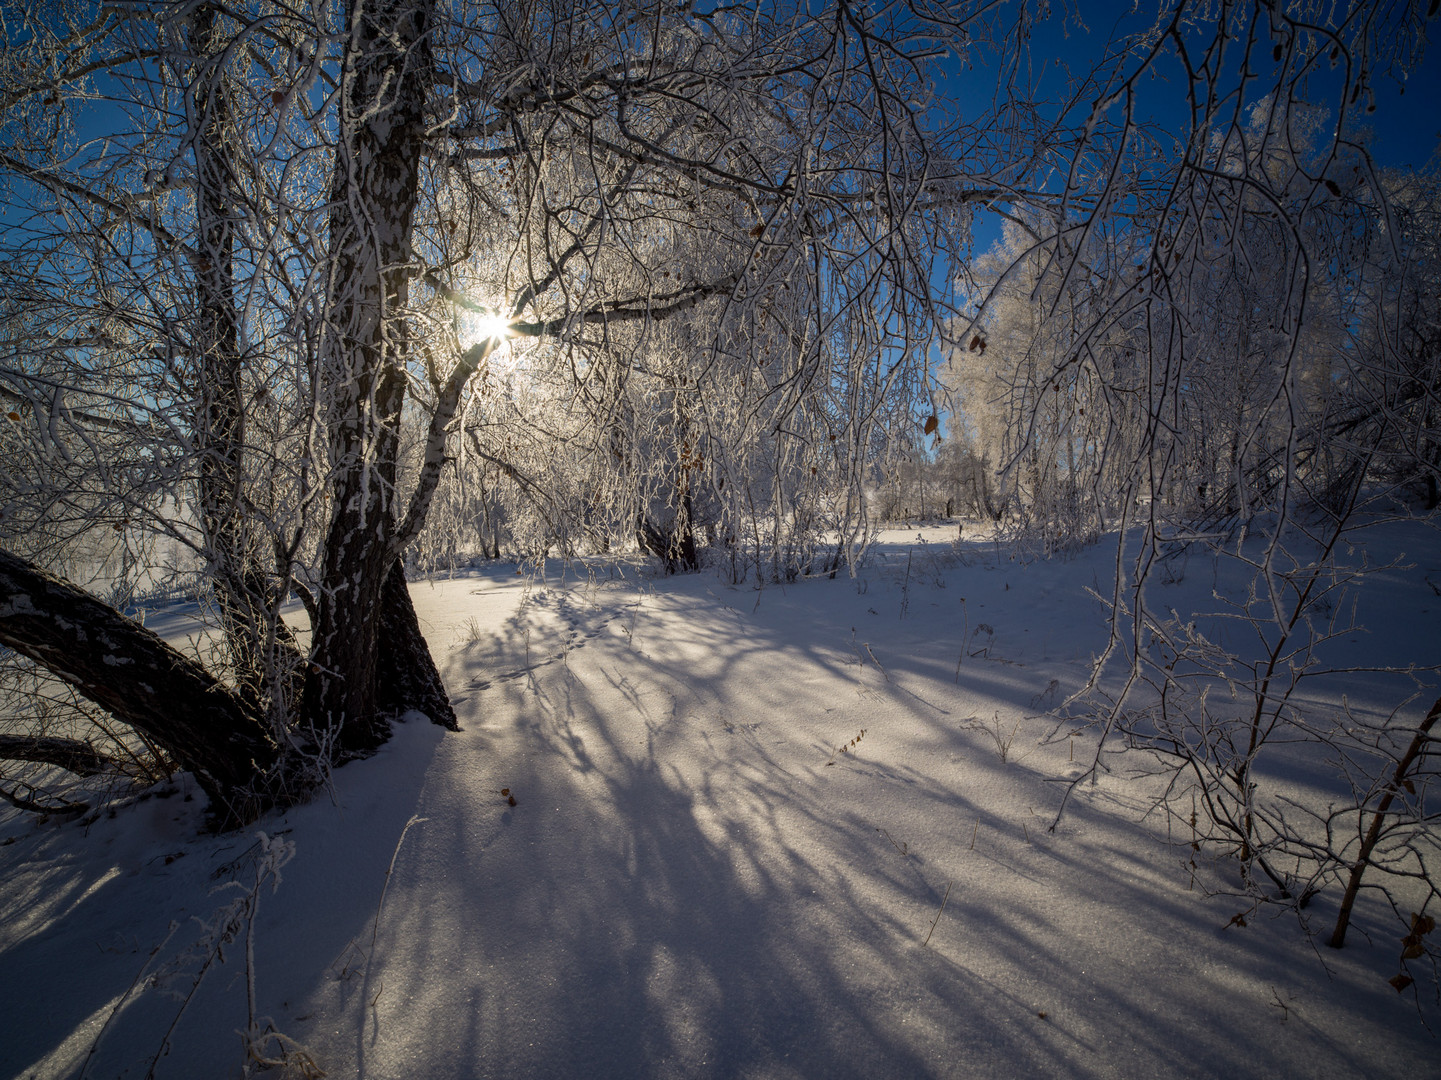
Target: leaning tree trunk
x=131, y=672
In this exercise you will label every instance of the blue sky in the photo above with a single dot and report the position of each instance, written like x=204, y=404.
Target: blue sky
x=1406, y=121
x=1404, y=129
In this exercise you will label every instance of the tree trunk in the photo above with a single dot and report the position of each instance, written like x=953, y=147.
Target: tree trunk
x=132, y=673
x=374, y=193
x=231, y=551
x=72, y=755
x=408, y=678
x=673, y=543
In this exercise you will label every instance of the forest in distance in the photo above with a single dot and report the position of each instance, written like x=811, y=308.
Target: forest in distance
x=308, y=309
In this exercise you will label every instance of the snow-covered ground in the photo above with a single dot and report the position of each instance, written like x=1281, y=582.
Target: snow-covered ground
x=776, y=833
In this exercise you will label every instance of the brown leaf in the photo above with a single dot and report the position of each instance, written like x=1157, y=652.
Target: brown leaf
x=1422, y=924
x=1238, y=919
x=1276, y=52
x=14, y=416
x=1413, y=951
x=277, y=97
x=931, y=424
x=505, y=791
x=1333, y=187
x=758, y=228
x=1400, y=981
x=511, y=800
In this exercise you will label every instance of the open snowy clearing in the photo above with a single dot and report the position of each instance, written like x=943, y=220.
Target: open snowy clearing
x=792, y=832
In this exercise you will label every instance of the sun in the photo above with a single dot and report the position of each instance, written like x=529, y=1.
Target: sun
x=483, y=325
x=492, y=325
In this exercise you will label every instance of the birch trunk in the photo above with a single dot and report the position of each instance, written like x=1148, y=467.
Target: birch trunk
x=374, y=192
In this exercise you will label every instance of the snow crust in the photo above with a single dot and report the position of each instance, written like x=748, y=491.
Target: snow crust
x=695, y=881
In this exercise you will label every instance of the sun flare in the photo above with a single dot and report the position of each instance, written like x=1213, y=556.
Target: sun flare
x=485, y=326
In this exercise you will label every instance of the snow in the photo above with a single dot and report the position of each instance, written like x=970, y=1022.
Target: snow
x=695, y=882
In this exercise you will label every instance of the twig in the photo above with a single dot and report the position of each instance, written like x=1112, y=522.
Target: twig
x=123, y=998
x=867, y=646
x=1378, y=821
x=904, y=849
x=394, y=855
x=937, y=919
x=965, y=626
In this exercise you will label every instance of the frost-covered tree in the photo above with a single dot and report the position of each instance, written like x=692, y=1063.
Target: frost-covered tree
x=722, y=228
x=1237, y=299
x=237, y=311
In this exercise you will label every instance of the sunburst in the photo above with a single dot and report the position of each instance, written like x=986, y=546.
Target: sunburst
x=484, y=325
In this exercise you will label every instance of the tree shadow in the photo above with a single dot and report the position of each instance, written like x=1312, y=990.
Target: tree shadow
x=695, y=883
